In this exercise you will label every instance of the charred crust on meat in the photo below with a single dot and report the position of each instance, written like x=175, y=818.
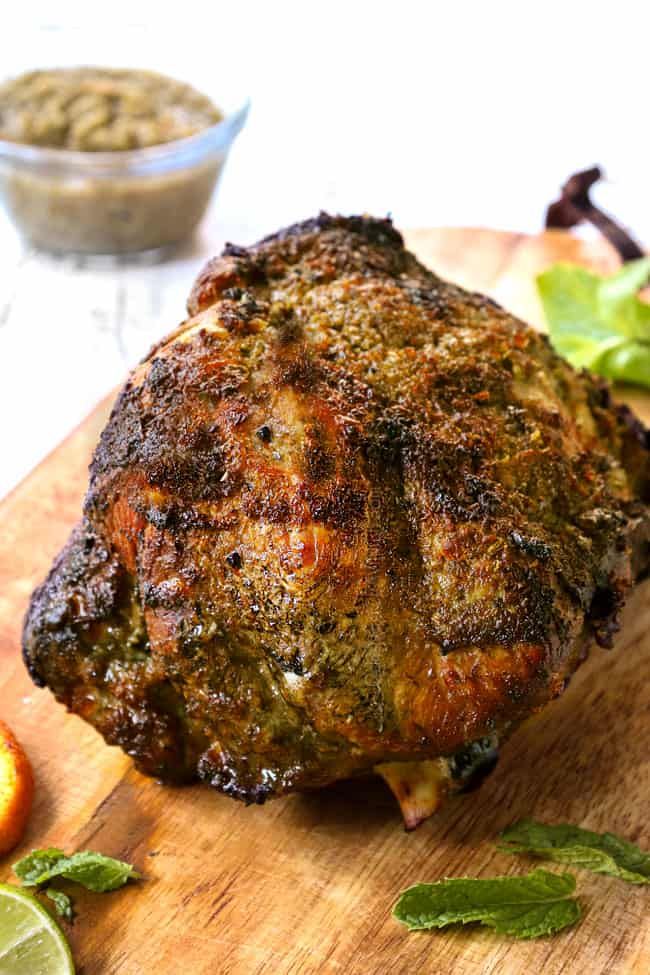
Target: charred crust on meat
x=214, y=769
x=633, y=424
x=472, y=764
x=374, y=230
x=603, y=614
x=234, y=560
x=532, y=546
x=264, y=433
x=341, y=508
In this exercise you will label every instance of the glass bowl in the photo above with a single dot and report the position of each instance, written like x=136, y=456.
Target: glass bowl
x=115, y=202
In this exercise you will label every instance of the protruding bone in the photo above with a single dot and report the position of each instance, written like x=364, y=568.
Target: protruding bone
x=419, y=787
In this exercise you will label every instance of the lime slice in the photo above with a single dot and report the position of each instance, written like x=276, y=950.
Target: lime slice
x=31, y=942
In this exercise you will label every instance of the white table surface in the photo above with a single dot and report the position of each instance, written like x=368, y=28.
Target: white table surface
x=440, y=113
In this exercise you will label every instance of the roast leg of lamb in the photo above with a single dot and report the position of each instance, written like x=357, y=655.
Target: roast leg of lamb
x=346, y=518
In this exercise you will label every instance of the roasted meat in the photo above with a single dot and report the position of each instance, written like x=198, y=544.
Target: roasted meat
x=347, y=517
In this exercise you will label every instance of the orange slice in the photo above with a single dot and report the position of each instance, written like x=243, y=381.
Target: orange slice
x=16, y=790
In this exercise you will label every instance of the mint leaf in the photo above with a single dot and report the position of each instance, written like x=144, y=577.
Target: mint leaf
x=96, y=871
x=92, y=870
x=61, y=901
x=599, y=323
x=36, y=864
x=617, y=295
x=523, y=907
x=598, y=852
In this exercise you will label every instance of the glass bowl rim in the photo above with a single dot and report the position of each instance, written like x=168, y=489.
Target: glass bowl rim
x=213, y=138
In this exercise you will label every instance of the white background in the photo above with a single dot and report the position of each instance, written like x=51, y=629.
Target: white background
x=439, y=113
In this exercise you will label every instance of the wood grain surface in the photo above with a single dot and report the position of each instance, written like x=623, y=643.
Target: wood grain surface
x=306, y=884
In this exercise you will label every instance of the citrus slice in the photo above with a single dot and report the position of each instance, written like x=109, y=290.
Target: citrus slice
x=16, y=789
x=31, y=942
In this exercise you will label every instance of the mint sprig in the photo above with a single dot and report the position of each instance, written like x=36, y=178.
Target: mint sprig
x=600, y=323
x=537, y=904
x=91, y=870
x=573, y=846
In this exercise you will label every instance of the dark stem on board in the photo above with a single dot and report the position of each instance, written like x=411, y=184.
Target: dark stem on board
x=574, y=206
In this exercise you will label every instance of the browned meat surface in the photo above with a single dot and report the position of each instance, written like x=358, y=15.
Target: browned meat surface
x=347, y=514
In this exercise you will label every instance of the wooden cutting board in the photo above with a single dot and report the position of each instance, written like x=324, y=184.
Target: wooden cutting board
x=306, y=884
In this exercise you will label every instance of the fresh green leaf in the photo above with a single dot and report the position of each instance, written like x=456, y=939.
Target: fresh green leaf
x=629, y=361
x=617, y=295
x=36, y=864
x=96, y=872
x=92, y=870
x=523, y=907
x=598, y=852
x=61, y=901
x=599, y=323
